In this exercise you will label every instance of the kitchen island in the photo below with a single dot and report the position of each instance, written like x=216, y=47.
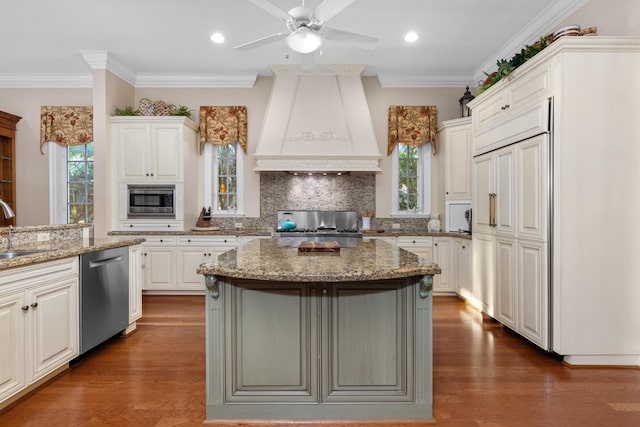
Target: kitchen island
x=319, y=335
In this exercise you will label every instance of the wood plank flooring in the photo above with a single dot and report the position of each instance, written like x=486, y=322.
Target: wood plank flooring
x=484, y=376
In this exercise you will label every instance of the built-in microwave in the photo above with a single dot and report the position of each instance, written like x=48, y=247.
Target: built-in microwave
x=151, y=201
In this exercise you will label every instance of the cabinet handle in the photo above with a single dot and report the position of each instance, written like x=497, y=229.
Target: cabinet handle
x=34, y=304
x=492, y=209
x=24, y=308
x=505, y=106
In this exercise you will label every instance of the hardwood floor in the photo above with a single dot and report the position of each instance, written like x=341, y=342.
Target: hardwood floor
x=484, y=376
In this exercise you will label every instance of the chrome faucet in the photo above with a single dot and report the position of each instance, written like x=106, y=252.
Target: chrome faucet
x=8, y=213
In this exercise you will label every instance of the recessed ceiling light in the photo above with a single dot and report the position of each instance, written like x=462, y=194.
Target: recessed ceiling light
x=411, y=36
x=217, y=38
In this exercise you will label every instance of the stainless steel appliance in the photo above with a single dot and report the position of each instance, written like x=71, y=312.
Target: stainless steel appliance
x=151, y=201
x=317, y=224
x=104, y=296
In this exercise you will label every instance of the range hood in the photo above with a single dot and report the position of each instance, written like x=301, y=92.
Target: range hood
x=317, y=121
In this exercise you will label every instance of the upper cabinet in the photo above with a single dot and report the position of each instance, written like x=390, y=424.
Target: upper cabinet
x=455, y=136
x=153, y=149
x=8, y=163
x=514, y=111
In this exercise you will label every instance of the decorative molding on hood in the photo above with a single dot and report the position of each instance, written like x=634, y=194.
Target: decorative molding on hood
x=317, y=121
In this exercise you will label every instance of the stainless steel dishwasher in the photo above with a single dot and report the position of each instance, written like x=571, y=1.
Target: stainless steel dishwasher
x=104, y=295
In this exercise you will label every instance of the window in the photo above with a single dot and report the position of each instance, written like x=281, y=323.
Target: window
x=223, y=179
x=71, y=184
x=411, y=180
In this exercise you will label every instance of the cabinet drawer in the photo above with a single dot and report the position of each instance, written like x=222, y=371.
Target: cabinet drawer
x=159, y=240
x=156, y=225
x=415, y=242
x=217, y=241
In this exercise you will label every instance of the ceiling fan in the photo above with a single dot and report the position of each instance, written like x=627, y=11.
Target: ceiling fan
x=306, y=27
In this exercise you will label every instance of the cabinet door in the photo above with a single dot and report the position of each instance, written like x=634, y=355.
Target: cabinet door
x=505, y=191
x=533, y=293
x=367, y=342
x=159, y=268
x=12, y=350
x=53, y=325
x=483, y=272
x=136, y=279
x=271, y=342
x=533, y=172
x=483, y=188
x=458, y=165
x=166, y=152
x=188, y=260
x=463, y=268
x=133, y=148
x=506, y=281
x=443, y=256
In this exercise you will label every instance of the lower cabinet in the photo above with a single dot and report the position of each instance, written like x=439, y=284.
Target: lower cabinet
x=136, y=278
x=444, y=256
x=193, y=251
x=38, y=322
x=419, y=245
x=170, y=262
x=276, y=347
x=463, y=263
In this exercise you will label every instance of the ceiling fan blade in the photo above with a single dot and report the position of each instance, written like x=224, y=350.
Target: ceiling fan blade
x=352, y=39
x=307, y=61
x=261, y=41
x=271, y=8
x=329, y=8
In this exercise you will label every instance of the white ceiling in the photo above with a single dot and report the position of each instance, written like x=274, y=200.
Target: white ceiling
x=168, y=40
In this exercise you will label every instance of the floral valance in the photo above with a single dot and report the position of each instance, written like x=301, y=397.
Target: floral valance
x=223, y=125
x=66, y=125
x=412, y=125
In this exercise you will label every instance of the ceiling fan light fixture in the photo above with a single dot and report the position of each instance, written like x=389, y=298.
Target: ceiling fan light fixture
x=304, y=40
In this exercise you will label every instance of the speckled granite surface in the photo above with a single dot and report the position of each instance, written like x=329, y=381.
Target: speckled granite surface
x=358, y=260
x=57, y=250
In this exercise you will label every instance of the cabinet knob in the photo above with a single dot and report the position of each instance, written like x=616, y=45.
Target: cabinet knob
x=130, y=225
x=152, y=174
x=324, y=291
x=414, y=241
x=189, y=240
x=161, y=240
x=169, y=225
x=147, y=174
x=505, y=106
x=464, y=247
x=435, y=244
x=209, y=254
x=225, y=240
x=24, y=308
x=34, y=304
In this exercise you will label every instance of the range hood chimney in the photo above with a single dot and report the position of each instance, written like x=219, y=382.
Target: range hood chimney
x=317, y=121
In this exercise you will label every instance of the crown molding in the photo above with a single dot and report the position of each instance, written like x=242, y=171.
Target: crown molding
x=102, y=60
x=149, y=80
x=542, y=24
x=425, y=81
x=24, y=81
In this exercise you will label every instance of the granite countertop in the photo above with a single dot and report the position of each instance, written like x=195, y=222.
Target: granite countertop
x=53, y=251
x=279, y=260
x=256, y=232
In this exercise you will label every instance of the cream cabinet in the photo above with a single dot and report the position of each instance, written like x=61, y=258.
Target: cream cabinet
x=463, y=266
x=419, y=245
x=444, y=256
x=158, y=260
x=136, y=279
x=39, y=328
x=154, y=150
x=455, y=138
x=151, y=149
x=195, y=250
x=513, y=112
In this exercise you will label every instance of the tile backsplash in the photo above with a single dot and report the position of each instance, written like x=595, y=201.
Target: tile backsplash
x=331, y=192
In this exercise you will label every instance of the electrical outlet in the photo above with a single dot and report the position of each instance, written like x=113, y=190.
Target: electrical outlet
x=238, y=225
x=395, y=226
x=43, y=237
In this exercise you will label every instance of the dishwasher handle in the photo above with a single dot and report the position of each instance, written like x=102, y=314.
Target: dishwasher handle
x=101, y=262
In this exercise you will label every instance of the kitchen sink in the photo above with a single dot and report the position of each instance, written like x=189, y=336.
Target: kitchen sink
x=15, y=254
